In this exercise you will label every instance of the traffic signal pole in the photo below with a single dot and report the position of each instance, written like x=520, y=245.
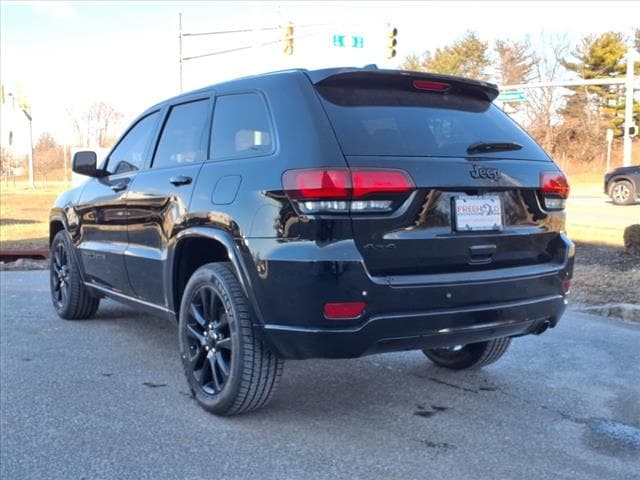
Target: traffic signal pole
x=632, y=57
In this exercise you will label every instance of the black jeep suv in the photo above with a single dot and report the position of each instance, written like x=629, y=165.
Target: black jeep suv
x=306, y=214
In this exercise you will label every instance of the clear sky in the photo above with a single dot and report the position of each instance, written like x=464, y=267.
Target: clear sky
x=65, y=55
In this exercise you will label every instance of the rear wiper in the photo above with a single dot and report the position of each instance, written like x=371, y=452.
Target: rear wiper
x=486, y=147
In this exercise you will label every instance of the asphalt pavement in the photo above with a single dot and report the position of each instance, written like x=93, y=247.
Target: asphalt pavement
x=106, y=398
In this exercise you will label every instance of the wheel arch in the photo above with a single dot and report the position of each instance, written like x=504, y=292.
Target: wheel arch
x=195, y=247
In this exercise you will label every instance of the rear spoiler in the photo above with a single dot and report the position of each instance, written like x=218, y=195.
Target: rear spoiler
x=401, y=79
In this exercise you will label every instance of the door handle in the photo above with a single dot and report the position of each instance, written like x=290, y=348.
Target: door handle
x=118, y=187
x=180, y=180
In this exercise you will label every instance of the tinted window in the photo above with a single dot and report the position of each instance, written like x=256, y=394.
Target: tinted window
x=129, y=154
x=182, y=139
x=394, y=122
x=241, y=127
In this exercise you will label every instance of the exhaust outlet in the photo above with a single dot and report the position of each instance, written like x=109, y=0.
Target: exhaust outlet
x=542, y=327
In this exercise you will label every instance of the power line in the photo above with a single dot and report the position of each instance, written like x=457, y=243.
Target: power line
x=247, y=47
x=249, y=30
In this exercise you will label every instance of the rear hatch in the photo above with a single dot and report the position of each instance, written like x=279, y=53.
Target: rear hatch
x=485, y=195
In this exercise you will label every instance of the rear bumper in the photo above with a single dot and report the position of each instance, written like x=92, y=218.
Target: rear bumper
x=418, y=330
x=402, y=313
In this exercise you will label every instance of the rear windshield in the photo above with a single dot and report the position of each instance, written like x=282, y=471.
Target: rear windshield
x=372, y=121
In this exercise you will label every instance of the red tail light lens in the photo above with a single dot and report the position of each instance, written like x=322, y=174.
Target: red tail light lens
x=367, y=182
x=554, y=190
x=321, y=183
x=554, y=183
x=343, y=310
x=432, y=86
x=343, y=190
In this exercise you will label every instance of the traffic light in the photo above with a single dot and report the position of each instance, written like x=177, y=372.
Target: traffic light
x=288, y=39
x=392, y=41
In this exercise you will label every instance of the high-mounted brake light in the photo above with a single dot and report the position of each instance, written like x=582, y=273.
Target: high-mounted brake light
x=340, y=190
x=432, y=86
x=554, y=189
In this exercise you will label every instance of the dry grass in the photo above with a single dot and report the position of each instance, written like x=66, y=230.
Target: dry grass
x=24, y=216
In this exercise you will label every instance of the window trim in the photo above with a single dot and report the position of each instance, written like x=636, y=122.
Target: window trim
x=154, y=134
x=270, y=121
x=208, y=99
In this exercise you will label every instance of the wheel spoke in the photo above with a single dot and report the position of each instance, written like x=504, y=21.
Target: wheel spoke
x=57, y=261
x=204, y=301
x=224, y=343
x=197, y=315
x=65, y=291
x=223, y=320
x=214, y=375
x=192, y=332
x=205, y=372
x=223, y=365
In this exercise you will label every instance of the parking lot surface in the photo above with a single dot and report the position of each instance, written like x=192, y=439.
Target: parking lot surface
x=106, y=398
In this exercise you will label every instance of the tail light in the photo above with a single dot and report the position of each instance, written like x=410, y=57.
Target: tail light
x=344, y=190
x=554, y=190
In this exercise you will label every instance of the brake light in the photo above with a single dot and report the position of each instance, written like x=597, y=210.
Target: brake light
x=327, y=183
x=554, y=189
x=432, y=86
x=366, y=182
x=341, y=190
x=343, y=310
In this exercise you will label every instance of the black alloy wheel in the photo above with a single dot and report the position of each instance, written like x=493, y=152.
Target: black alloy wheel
x=209, y=340
x=60, y=276
x=71, y=299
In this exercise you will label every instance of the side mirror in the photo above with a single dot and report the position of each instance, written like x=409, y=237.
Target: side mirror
x=85, y=163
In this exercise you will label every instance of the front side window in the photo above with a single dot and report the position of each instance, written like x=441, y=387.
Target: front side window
x=241, y=127
x=128, y=156
x=182, y=139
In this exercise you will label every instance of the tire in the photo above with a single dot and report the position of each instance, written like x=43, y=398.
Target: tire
x=228, y=367
x=71, y=299
x=473, y=355
x=622, y=192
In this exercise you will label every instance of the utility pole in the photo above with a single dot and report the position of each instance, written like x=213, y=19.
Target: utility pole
x=628, y=107
x=180, y=46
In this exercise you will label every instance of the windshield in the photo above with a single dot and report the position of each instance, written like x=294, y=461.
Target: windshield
x=371, y=121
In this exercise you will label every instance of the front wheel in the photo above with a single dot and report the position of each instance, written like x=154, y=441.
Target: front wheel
x=472, y=355
x=228, y=367
x=71, y=299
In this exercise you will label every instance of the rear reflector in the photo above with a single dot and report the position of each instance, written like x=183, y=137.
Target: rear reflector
x=566, y=286
x=343, y=310
x=432, y=86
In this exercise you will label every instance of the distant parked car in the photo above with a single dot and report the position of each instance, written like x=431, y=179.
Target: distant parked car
x=623, y=185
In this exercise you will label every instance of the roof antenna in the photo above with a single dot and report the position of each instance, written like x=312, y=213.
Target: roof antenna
x=371, y=66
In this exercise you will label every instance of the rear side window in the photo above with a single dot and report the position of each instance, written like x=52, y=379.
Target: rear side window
x=129, y=154
x=241, y=127
x=183, y=137
x=370, y=121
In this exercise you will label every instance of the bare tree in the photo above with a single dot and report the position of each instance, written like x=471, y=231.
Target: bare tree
x=48, y=156
x=542, y=103
x=96, y=125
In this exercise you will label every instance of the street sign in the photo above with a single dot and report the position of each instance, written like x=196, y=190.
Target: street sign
x=357, y=41
x=511, y=96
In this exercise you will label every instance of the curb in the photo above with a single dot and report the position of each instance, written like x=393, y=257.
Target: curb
x=625, y=311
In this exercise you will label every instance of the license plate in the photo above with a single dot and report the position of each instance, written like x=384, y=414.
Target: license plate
x=478, y=213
